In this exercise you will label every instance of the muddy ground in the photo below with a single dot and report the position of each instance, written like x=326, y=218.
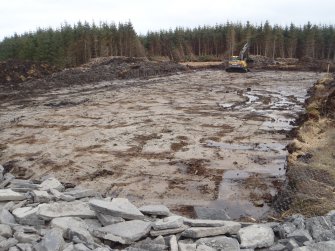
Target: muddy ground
x=202, y=138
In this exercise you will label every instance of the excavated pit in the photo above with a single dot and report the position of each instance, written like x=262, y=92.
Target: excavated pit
x=206, y=138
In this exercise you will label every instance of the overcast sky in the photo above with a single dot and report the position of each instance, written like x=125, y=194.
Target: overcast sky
x=26, y=15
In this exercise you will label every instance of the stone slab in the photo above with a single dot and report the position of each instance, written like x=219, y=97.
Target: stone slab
x=81, y=193
x=222, y=243
x=27, y=216
x=160, y=210
x=199, y=232
x=106, y=219
x=51, y=183
x=9, y=195
x=52, y=241
x=168, y=223
x=168, y=231
x=65, y=209
x=73, y=226
x=118, y=207
x=256, y=236
x=204, y=223
x=124, y=232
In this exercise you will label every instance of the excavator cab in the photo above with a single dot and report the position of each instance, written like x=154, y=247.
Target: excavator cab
x=238, y=63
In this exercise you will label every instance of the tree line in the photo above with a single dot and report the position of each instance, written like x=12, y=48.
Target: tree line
x=72, y=45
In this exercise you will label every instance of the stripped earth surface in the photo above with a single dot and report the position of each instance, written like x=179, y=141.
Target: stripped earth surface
x=203, y=138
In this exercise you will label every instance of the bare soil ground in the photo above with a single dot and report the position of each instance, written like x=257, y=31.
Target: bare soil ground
x=206, y=138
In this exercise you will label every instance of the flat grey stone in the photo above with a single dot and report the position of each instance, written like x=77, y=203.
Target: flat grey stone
x=204, y=223
x=27, y=216
x=81, y=247
x=118, y=207
x=20, y=204
x=51, y=183
x=52, y=241
x=134, y=249
x=68, y=247
x=65, y=209
x=2, y=238
x=81, y=193
x=198, y=232
x=291, y=244
x=102, y=249
x=14, y=249
x=222, y=243
x=19, y=185
x=124, y=232
x=60, y=196
x=92, y=224
x=6, y=217
x=285, y=229
x=106, y=219
x=278, y=247
x=300, y=236
x=8, y=205
x=72, y=226
x=321, y=228
x=168, y=223
x=9, y=194
x=187, y=246
x=26, y=238
x=1, y=173
x=25, y=247
x=160, y=210
x=256, y=236
x=40, y=196
x=5, y=231
x=211, y=213
x=148, y=244
x=7, y=244
x=205, y=248
x=168, y=231
x=25, y=229
x=7, y=179
x=320, y=246
x=173, y=243
x=330, y=213
x=298, y=220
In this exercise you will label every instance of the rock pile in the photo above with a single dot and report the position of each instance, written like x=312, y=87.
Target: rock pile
x=46, y=215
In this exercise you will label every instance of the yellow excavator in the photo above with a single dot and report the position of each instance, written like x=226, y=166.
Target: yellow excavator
x=238, y=63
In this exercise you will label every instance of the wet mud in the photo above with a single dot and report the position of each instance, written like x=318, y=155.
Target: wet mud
x=206, y=138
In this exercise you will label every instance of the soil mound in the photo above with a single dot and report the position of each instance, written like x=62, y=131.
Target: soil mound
x=100, y=69
x=16, y=71
x=290, y=64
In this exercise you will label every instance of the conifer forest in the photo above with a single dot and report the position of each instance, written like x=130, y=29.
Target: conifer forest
x=72, y=45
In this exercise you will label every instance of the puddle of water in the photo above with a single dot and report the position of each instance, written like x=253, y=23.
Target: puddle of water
x=273, y=172
x=277, y=122
x=226, y=105
x=235, y=199
x=265, y=147
x=251, y=98
x=240, y=208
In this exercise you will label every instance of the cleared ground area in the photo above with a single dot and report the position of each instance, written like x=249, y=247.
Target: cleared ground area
x=206, y=138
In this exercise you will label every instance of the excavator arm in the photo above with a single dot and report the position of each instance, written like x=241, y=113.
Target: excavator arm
x=243, y=50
